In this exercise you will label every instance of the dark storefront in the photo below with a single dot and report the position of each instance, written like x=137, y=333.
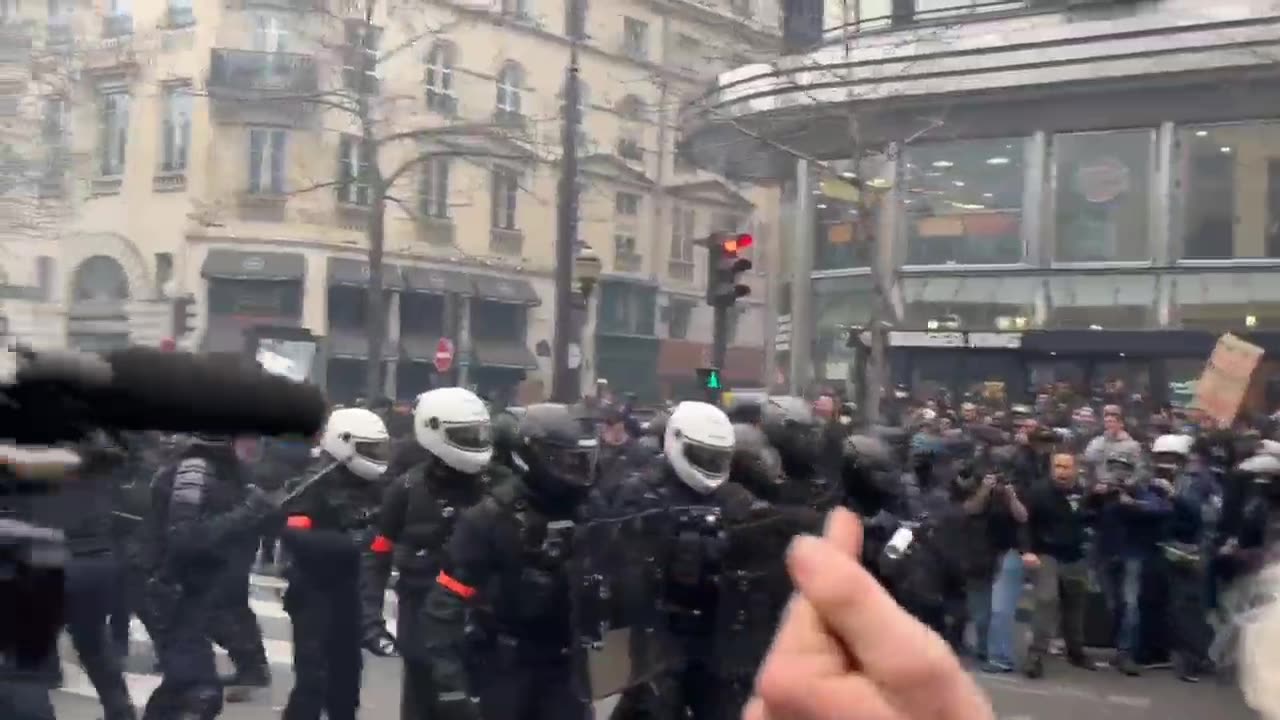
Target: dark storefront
x=248, y=289
x=430, y=307
x=347, y=308
x=500, y=356
x=679, y=360
x=1147, y=362
x=626, y=344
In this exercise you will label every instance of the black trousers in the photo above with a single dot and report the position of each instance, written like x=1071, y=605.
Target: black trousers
x=327, y=657
x=23, y=700
x=417, y=690
x=529, y=691
x=234, y=626
x=189, y=687
x=694, y=691
x=92, y=583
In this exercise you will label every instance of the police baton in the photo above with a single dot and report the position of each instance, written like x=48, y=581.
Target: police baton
x=306, y=484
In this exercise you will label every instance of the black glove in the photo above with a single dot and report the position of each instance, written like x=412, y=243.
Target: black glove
x=382, y=644
x=265, y=501
x=457, y=706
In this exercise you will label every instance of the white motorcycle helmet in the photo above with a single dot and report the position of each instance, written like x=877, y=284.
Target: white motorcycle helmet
x=358, y=439
x=699, y=445
x=453, y=425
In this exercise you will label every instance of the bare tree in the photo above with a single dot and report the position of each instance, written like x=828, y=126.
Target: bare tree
x=389, y=147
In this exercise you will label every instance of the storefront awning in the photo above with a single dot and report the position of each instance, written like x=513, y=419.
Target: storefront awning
x=981, y=290
x=1226, y=288
x=241, y=265
x=1088, y=291
x=350, y=272
x=510, y=354
x=505, y=290
x=345, y=344
x=437, y=282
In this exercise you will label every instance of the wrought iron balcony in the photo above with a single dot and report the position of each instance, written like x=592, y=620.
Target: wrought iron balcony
x=246, y=72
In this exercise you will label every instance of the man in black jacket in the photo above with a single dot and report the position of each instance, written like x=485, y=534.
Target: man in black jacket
x=83, y=510
x=1057, y=526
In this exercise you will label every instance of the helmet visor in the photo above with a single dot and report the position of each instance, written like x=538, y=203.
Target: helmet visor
x=474, y=437
x=375, y=450
x=707, y=459
x=572, y=465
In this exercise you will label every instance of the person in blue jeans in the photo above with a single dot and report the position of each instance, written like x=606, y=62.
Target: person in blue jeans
x=993, y=608
x=1132, y=518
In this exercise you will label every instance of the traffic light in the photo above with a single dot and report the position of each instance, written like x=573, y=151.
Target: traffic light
x=184, y=316
x=724, y=266
x=709, y=378
x=712, y=384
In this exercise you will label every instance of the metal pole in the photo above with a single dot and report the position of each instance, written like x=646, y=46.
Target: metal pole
x=719, y=347
x=562, y=389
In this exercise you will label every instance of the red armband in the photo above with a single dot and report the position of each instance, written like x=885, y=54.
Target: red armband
x=461, y=589
x=298, y=522
x=382, y=545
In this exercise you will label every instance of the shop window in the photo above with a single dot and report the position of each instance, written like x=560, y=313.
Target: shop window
x=1102, y=196
x=1230, y=191
x=963, y=202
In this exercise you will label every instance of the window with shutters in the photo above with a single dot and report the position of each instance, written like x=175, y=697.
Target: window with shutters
x=175, y=130
x=270, y=34
x=433, y=190
x=266, y=161
x=626, y=205
x=682, y=232
x=679, y=314
x=353, y=171
x=439, y=77
x=505, y=198
x=360, y=64
x=510, y=86
x=631, y=115
x=113, y=133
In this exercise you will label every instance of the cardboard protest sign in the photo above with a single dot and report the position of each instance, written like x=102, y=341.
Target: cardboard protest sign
x=1224, y=384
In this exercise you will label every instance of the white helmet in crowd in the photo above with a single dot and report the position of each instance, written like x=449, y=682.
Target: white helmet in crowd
x=453, y=425
x=699, y=445
x=1179, y=445
x=358, y=439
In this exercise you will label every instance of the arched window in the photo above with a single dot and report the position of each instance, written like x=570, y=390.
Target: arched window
x=510, y=85
x=439, y=78
x=100, y=279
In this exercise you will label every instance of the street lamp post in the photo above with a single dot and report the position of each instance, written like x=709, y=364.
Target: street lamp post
x=585, y=274
x=567, y=214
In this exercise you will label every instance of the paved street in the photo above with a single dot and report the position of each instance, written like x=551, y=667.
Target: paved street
x=1064, y=694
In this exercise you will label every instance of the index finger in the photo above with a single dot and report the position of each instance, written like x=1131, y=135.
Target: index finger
x=870, y=625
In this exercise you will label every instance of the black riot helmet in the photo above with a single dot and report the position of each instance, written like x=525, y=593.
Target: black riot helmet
x=791, y=427
x=557, y=453
x=755, y=464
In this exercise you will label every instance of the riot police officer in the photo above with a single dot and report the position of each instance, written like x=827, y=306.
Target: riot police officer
x=504, y=571
x=793, y=429
x=330, y=524
x=722, y=553
x=200, y=506
x=451, y=426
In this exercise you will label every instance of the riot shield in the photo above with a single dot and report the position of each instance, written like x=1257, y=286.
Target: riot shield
x=614, y=596
x=753, y=590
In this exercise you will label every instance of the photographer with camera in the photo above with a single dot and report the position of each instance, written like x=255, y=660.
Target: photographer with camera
x=993, y=501
x=1132, y=513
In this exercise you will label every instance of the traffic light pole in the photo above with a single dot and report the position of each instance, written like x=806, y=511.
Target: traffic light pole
x=562, y=389
x=719, y=336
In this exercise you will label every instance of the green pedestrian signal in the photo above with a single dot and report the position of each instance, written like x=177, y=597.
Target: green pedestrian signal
x=710, y=378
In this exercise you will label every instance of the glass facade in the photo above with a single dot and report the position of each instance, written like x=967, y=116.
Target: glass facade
x=963, y=202
x=1102, y=196
x=1230, y=191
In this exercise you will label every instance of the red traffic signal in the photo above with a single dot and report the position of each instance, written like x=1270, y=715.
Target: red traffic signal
x=737, y=243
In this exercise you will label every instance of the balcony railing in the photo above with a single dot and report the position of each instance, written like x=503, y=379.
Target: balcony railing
x=250, y=72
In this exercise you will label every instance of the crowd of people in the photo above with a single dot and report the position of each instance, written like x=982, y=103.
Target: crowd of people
x=1125, y=533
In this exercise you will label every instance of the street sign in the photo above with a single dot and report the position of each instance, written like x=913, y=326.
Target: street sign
x=444, y=355
x=575, y=356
